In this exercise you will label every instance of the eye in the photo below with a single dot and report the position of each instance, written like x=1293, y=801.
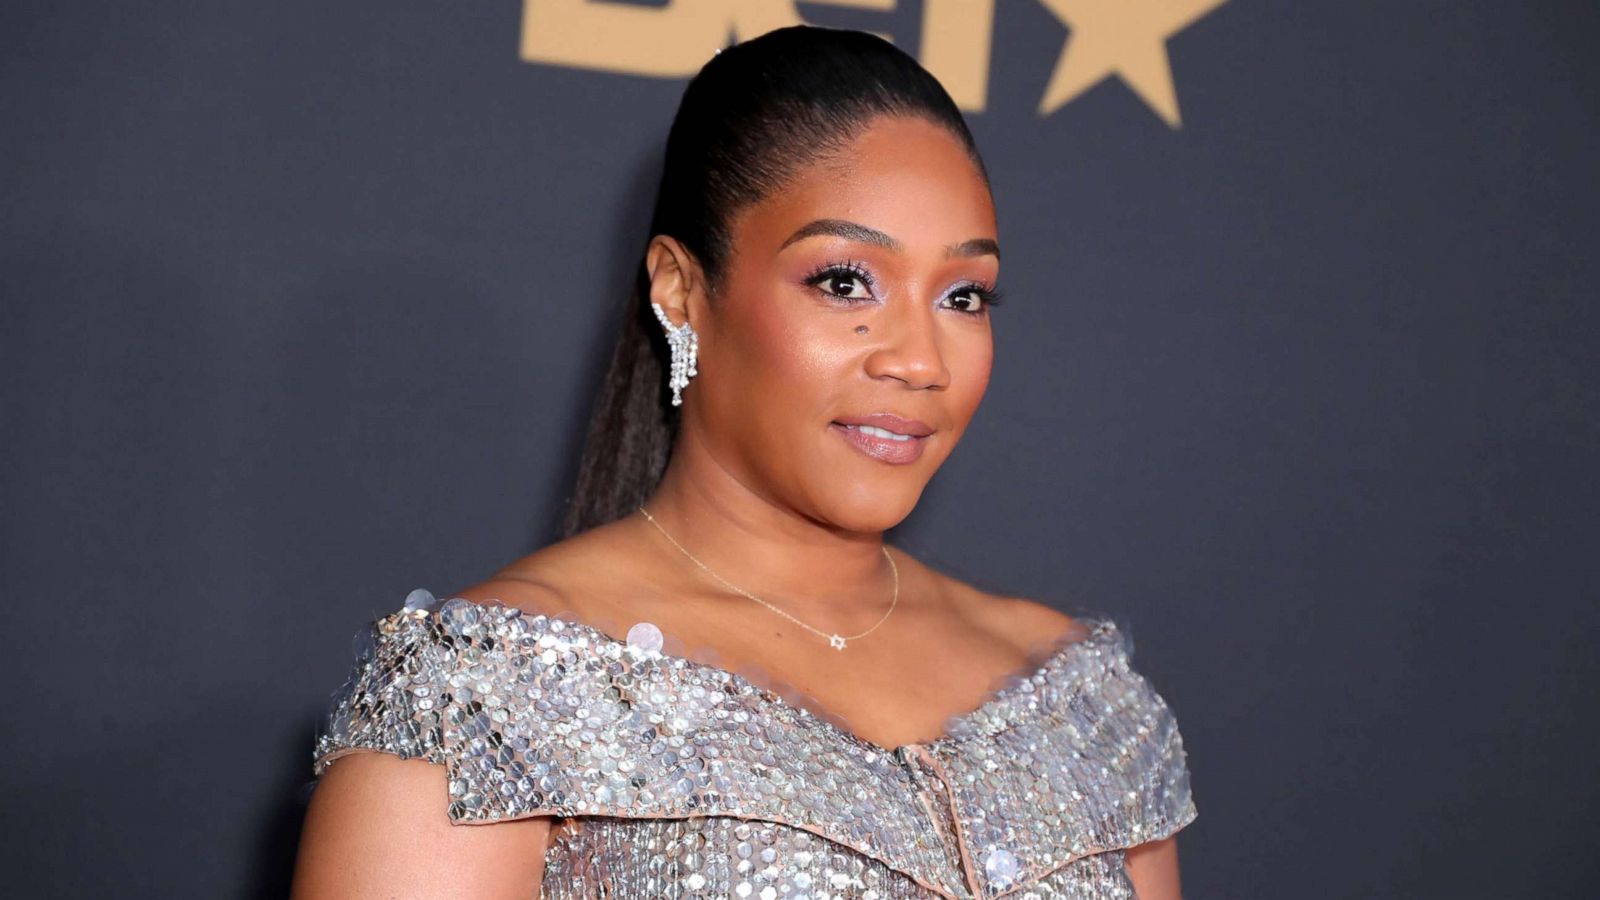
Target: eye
x=977, y=299
x=846, y=281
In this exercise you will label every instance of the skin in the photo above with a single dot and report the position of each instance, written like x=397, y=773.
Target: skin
x=766, y=494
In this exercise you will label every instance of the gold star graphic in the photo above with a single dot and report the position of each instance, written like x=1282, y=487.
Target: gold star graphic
x=1126, y=38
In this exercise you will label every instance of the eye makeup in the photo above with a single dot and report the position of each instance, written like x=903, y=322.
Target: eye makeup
x=852, y=269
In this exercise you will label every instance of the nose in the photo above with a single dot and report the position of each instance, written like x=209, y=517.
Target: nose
x=910, y=350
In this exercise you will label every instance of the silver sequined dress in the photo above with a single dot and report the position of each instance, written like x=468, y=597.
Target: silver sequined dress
x=687, y=780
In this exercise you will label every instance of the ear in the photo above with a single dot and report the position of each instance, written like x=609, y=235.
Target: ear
x=676, y=280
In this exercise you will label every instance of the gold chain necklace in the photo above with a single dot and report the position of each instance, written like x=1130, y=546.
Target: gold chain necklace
x=835, y=640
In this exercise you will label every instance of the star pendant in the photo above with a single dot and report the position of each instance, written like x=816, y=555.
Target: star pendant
x=836, y=642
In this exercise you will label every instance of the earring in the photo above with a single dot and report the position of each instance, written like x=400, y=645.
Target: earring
x=685, y=346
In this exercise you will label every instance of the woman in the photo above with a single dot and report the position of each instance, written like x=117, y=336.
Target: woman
x=819, y=276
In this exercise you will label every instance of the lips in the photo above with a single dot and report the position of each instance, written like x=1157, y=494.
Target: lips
x=903, y=443
x=890, y=422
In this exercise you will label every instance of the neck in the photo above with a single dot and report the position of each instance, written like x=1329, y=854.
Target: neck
x=762, y=545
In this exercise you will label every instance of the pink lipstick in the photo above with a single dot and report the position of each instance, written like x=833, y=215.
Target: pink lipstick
x=884, y=436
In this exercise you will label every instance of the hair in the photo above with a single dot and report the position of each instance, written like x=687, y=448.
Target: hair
x=754, y=115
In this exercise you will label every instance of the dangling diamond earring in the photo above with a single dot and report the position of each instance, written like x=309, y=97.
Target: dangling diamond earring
x=685, y=346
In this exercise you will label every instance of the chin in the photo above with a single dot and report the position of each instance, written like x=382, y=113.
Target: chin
x=871, y=507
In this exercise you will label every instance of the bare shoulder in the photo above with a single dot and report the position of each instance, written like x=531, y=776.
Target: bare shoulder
x=572, y=575
x=531, y=595
x=1032, y=626
x=377, y=826
x=1027, y=624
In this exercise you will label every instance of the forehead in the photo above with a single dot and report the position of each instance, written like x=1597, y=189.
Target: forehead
x=907, y=177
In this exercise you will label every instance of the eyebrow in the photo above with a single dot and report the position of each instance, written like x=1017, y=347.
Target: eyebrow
x=858, y=232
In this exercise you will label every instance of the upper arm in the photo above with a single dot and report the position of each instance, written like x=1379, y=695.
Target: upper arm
x=1153, y=869
x=377, y=827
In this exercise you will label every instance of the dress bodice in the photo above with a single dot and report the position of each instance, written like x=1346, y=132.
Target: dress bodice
x=688, y=780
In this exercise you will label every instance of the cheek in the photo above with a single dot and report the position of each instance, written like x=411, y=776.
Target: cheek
x=970, y=368
x=789, y=364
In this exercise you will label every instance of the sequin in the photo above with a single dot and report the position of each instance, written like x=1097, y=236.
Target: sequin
x=419, y=599
x=646, y=636
x=687, y=780
x=1000, y=865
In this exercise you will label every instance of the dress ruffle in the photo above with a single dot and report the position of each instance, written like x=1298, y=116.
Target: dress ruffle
x=538, y=715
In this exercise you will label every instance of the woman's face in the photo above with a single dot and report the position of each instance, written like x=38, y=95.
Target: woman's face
x=896, y=234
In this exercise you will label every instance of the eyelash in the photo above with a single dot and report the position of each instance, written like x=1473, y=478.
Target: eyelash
x=988, y=296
